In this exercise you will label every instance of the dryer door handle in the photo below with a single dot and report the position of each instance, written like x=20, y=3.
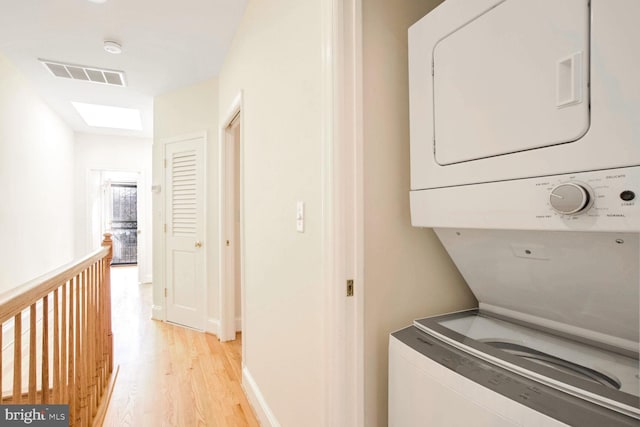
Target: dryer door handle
x=569, y=78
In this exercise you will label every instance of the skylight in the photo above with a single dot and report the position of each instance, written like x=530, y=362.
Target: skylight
x=105, y=116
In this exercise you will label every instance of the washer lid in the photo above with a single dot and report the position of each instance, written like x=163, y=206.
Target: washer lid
x=595, y=374
x=585, y=284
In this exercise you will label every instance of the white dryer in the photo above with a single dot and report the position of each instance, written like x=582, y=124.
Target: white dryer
x=525, y=159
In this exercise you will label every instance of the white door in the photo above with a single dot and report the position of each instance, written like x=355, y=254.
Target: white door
x=185, y=226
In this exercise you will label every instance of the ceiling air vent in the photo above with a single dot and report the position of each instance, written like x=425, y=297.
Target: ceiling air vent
x=87, y=74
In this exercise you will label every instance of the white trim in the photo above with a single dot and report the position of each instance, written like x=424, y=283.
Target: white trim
x=157, y=312
x=334, y=404
x=257, y=400
x=343, y=222
x=358, y=226
x=158, y=269
x=228, y=326
x=213, y=327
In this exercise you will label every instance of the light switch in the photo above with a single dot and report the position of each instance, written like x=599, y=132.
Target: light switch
x=300, y=217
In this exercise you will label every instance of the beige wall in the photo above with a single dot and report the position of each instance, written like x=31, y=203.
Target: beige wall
x=36, y=183
x=275, y=59
x=181, y=112
x=407, y=272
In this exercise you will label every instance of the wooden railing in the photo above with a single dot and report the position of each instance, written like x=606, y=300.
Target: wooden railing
x=58, y=344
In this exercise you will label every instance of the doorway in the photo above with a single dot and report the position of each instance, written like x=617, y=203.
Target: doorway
x=231, y=296
x=124, y=223
x=102, y=211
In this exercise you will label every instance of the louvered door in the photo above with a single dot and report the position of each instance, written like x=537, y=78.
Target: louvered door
x=185, y=266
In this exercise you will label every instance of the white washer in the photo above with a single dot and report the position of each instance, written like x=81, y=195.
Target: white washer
x=554, y=341
x=434, y=383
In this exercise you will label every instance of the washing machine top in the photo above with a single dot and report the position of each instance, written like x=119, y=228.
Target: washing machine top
x=592, y=371
x=584, y=284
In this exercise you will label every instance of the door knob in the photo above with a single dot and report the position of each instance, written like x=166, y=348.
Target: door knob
x=198, y=244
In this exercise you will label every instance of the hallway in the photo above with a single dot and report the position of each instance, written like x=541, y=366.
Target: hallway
x=170, y=376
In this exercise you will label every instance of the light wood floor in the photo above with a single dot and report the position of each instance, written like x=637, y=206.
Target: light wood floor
x=170, y=376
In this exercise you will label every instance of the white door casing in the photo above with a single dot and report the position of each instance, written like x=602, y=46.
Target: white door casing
x=343, y=218
x=185, y=215
x=231, y=232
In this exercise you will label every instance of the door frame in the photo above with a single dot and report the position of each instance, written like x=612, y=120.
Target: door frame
x=143, y=211
x=160, y=312
x=227, y=330
x=343, y=221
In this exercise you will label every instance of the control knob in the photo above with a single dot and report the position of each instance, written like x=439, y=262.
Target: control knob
x=571, y=198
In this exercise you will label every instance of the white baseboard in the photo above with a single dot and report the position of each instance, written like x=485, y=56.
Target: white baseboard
x=213, y=327
x=147, y=279
x=257, y=401
x=157, y=312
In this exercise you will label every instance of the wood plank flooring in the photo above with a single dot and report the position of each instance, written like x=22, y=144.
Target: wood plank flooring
x=170, y=376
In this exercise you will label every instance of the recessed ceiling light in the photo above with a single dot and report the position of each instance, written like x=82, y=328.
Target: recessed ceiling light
x=98, y=1
x=112, y=47
x=105, y=116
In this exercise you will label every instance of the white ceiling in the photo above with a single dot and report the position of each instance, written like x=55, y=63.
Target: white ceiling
x=167, y=44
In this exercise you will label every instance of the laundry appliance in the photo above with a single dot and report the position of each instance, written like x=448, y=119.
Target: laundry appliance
x=525, y=160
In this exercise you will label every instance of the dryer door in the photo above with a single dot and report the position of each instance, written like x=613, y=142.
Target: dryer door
x=509, y=89
x=512, y=79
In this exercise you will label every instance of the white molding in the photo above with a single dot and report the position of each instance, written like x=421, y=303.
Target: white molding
x=228, y=326
x=157, y=312
x=257, y=400
x=148, y=279
x=343, y=225
x=358, y=218
x=334, y=369
x=232, y=111
x=158, y=252
x=213, y=326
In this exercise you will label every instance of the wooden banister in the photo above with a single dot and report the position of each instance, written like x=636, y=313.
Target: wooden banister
x=56, y=333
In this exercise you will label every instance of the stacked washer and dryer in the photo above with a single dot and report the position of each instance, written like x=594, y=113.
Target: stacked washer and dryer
x=525, y=159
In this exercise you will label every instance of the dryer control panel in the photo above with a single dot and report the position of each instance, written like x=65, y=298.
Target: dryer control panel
x=585, y=198
x=606, y=200
x=571, y=198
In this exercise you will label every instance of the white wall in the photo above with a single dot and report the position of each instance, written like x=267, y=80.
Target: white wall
x=36, y=183
x=115, y=154
x=275, y=59
x=181, y=112
x=407, y=272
